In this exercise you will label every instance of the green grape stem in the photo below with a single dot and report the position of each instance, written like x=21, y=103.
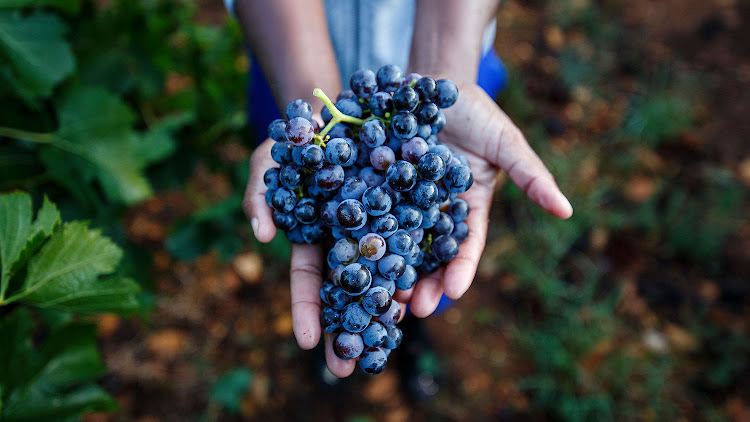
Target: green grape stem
x=338, y=116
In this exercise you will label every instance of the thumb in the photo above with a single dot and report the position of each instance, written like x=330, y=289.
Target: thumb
x=254, y=203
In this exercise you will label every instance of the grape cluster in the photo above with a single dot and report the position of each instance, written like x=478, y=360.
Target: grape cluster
x=377, y=184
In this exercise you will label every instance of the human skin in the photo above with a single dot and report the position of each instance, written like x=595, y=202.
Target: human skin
x=446, y=44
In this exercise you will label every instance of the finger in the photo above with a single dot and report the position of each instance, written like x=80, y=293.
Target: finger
x=512, y=153
x=403, y=296
x=254, y=204
x=340, y=368
x=306, y=279
x=427, y=294
x=401, y=316
x=460, y=272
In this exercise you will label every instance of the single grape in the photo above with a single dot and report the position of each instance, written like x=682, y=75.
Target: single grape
x=460, y=231
x=424, y=132
x=376, y=301
x=363, y=83
x=445, y=248
x=424, y=194
x=401, y=176
x=353, y=188
x=373, y=132
x=400, y=242
x=281, y=152
x=355, y=279
x=340, y=130
x=409, y=216
x=380, y=281
x=458, y=210
x=458, y=178
x=372, y=361
x=351, y=214
x=328, y=213
x=413, y=257
x=313, y=157
x=349, y=107
x=314, y=232
x=394, y=337
x=331, y=259
x=376, y=201
x=355, y=318
x=411, y=79
x=414, y=149
x=404, y=124
x=391, y=266
x=372, y=246
x=405, y=98
x=277, y=130
x=338, y=151
x=426, y=114
x=346, y=250
x=417, y=235
x=290, y=176
x=444, y=224
x=447, y=93
x=295, y=234
x=431, y=166
x=426, y=87
x=347, y=93
x=371, y=176
x=408, y=279
x=382, y=157
x=271, y=178
x=380, y=104
x=347, y=345
x=429, y=264
x=329, y=177
x=375, y=334
x=389, y=77
x=330, y=320
x=385, y=225
x=283, y=200
x=299, y=131
x=299, y=108
x=306, y=211
x=439, y=123
x=284, y=220
x=391, y=316
x=371, y=266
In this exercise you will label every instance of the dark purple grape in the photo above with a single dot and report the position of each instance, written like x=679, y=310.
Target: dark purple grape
x=439, y=123
x=444, y=224
x=404, y=125
x=299, y=131
x=328, y=213
x=363, y=83
x=400, y=242
x=447, y=93
x=330, y=320
x=458, y=210
x=389, y=77
x=283, y=200
x=341, y=130
x=458, y=178
x=431, y=167
x=290, y=176
x=376, y=201
x=391, y=266
x=394, y=338
x=373, y=133
x=271, y=178
x=347, y=93
x=355, y=318
x=424, y=131
x=411, y=78
x=445, y=248
x=384, y=225
x=427, y=113
x=376, y=301
x=391, y=316
x=355, y=279
x=426, y=87
x=371, y=177
x=299, y=108
x=380, y=281
x=277, y=130
x=329, y=177
x=408, y=279
x=401, y=176
x=382, y=157
x=306, y=211
x=375, y=334
x=313, y=157
x=409, y=216
x=281, y=152
x=284, y=220
x=424, y=194
x=351, y=214
x=338, y=151
x=380, y=104
x=338, y=298
x=353, y=188
x=295, y=234
x=348, y=346
x=429, y=264
x=372, y=361
x=405, y=98
x=460, y=231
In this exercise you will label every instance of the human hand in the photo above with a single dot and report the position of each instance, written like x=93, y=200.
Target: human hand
x=477, y=128
x=306, y=268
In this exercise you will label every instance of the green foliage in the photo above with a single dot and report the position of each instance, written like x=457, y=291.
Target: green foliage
x=658, y=116
x=229, y=388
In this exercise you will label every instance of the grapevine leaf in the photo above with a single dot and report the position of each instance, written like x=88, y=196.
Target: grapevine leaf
x=97, y=126
x=19, y=235
x=65, y=273
x=34, y=47
x=70, y=6
x=52, y=382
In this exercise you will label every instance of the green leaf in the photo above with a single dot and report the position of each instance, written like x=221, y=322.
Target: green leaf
x=70, y=6
x=19, y=235
x=65, y=274
x=49, y=383
x=228, y=389
x=97, y=126
x=34, y=47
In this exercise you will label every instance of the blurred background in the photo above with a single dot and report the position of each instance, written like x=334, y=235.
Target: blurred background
x=636, y=309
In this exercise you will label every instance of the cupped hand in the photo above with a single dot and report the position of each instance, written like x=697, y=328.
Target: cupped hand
x=477, y=128
x=306, y=268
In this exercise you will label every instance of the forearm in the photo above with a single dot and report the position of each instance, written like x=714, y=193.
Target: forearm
x=290, y=40
x=448, y=37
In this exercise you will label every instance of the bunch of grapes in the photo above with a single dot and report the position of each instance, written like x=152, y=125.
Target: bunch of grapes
x=375, y=183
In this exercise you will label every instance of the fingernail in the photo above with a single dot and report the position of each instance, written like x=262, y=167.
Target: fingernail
x=254, y=225
x=565, y=206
